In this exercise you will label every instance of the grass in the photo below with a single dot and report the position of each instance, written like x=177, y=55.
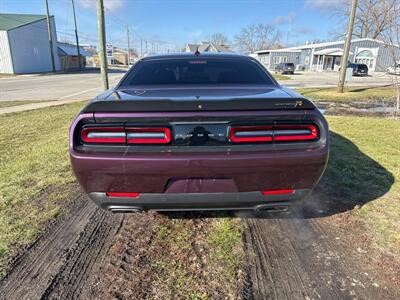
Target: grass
x=34, y=174
x=351, y=94
x=201, y=258
x=225, y=238
x=364, y=169
x=280, y=77
x=4, y=104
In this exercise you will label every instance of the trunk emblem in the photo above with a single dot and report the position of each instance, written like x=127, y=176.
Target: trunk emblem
x=199, y=106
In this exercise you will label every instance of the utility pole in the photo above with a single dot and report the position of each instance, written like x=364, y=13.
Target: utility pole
x=76, y=37
x=50, y=37
x=102, y=43
x=129, y=48
x=141, y=48
x=346, y=50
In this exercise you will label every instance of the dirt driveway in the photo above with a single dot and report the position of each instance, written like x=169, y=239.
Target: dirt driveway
x=311, y=254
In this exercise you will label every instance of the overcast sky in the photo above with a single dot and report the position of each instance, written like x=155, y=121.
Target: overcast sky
x=174, y=23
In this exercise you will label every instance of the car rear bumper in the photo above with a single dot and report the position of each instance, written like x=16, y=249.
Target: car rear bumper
x=225, y=172
x=199, y=201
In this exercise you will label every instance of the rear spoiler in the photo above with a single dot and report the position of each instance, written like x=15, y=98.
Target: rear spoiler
x=157, y=105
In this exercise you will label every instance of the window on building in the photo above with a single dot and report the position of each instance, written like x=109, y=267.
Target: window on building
x=366, y=57
x=307, y=60
x=280, y=59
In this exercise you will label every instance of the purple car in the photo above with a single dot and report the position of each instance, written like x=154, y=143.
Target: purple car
x=196, y=132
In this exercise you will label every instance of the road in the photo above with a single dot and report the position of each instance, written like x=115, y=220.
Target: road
x=86, y=85
x=55, y=86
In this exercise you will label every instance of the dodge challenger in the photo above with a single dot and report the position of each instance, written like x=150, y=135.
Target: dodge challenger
x=198, y=132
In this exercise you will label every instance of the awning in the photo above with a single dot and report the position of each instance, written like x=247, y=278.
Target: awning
x=331, y=51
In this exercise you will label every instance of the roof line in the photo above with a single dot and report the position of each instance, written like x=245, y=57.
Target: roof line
x=29, y=23
x=316, y=45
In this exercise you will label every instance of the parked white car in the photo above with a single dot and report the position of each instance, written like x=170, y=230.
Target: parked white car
x=394, y=70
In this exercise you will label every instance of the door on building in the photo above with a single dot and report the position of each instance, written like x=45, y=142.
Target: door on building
x=328, y=64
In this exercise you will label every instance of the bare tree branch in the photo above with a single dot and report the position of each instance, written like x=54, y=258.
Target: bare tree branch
x=373, y=19
x=219, y=39
x=256, y=37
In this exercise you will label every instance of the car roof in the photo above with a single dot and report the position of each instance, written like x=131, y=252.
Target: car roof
x=188, y=55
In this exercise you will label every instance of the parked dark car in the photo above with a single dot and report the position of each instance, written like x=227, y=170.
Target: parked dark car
x=206, y=131
x=285, y=68
x=358, y=69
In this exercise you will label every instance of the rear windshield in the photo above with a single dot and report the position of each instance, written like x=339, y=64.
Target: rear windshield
x=289, y=64
x=196, y=71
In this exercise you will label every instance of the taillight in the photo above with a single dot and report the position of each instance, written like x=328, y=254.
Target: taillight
x=273, y=133
x=150, y=135
x=103, y=135
x=295, y=132
x=130, y=135
x=243, y=134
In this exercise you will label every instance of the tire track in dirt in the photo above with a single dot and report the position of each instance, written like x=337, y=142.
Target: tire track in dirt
x=71, y=243
x=298, y=258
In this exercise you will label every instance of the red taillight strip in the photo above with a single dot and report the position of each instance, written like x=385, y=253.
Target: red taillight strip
x=122, y=195
x=243, y=134
x=295, y=132
x=148, y=135
x=104, y=135
x=278, y=192
x=303, y=132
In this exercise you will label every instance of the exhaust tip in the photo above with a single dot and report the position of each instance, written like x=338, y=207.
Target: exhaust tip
x=271, y=208
x=123, y=209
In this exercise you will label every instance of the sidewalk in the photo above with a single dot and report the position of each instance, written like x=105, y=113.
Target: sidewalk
x=32, y=106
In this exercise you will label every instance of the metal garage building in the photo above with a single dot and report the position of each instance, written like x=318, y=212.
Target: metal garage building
x=24, y=44
x=377, y=55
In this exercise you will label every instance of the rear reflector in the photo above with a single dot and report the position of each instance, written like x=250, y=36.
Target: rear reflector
x=150, y=135
x=103, y=135
x=276, y=133
x=278, y=192
x=123, y=195
x=243, y=134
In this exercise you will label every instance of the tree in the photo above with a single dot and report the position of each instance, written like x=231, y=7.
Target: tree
x=256, y=37
x=373, y=19
x=219, y=39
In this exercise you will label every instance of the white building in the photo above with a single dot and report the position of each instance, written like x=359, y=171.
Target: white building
x=377, y=55
x=24, y=44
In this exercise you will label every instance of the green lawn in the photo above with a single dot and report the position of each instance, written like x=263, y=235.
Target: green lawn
x=34, y=173
x=280, y=77
x=364, y=169
x=4, y=104
x=351, y=94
